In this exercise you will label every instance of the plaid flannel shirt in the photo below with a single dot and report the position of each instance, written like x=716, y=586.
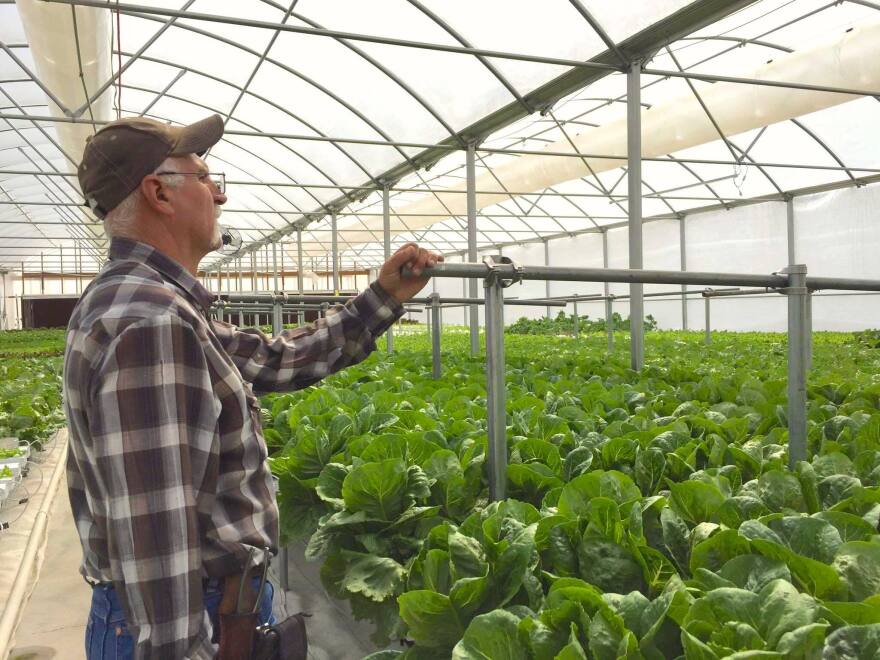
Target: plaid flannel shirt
x=167, y=471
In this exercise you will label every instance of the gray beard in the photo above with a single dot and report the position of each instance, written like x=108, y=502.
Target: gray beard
x=216, y=238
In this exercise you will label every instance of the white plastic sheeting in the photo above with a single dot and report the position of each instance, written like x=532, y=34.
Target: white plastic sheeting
x=847, y=245
x=749, y=239
x=281, y=83
x=850, y=61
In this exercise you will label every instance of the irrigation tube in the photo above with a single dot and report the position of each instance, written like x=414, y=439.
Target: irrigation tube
x=12, y=611
x=792, y=279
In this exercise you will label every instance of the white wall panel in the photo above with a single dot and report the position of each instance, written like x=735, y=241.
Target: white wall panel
x=838, y=235
x=660, y=241
x=529, y=254
x=749, y=239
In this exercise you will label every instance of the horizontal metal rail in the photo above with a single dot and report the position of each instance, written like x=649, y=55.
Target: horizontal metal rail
x=291, y=298
x=486, y=150
x=514, y=272
x=718, y=293
x=598, y=297
x=524, y=303
x=630, y=276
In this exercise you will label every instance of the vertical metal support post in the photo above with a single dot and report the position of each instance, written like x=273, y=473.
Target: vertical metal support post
x=547, y=282
x=707, y=301
x=808, y=304
x=322, y=314
x=229, y=288
x=277, y=325
x=78, y=269
x=61, y=267
x=42, y=276
x=634, y=193
x=334, y=248
x=3, y=301
x=464, y=291
x=283, y=572
x=299, y=272
x=282, y=281
x=435, y=335
x=609, y=322
x=496, y=391
x=797, y=368
x=471, y=174
x=266, y=264
x=609, y=325
x=21, y=300
x=253, y=271
x=575, y=319
x=238, y=288
x=277, y=321
x=386, y=249
x=791, y=243
x=682, y=249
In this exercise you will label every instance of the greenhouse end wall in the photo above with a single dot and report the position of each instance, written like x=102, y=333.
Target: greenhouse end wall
x=837, y=233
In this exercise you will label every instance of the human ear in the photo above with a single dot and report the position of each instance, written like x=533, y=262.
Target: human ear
x=155, y=195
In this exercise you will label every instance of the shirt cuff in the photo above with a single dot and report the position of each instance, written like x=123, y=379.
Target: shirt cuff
x=377, y=309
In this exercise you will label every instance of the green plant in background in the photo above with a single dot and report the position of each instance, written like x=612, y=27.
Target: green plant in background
x=32, y=343
x=654, y=514
x=30, y=399
x=869, y=338
x=563, y=324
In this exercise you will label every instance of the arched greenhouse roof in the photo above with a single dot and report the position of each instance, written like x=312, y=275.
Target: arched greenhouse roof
x=329, y=103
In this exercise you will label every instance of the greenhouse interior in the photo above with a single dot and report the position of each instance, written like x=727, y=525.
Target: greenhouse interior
x=479, y=330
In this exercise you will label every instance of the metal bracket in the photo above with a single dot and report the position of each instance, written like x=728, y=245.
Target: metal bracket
x=494, y=274
x=797, y=269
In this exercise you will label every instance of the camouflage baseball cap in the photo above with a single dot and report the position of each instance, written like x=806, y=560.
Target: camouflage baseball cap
x=123, y=152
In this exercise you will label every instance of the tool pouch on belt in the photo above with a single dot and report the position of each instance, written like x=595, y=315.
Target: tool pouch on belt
x=237, y=636
x=286, y=640
x=238, y=618
x=242, y=639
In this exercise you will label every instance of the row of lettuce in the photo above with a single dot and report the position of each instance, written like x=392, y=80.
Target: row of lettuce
x=564, y=324
x=30, y=384
x=651, y=515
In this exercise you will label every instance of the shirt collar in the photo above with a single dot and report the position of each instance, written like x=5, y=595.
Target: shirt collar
x=126, y=249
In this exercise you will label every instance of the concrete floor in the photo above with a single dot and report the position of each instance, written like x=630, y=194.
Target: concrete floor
x=53, y=623
x=54, y=620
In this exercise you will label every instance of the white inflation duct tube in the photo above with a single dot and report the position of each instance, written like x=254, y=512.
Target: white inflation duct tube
x=53, y=45
x=851, y=61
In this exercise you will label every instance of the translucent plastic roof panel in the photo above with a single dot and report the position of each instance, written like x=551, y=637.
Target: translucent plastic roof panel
x=297, y=102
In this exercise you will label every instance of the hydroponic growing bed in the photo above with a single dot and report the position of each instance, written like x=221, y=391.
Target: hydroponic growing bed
x=30, y=399
x=651, y=515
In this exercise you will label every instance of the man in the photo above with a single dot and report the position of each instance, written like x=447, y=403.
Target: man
x=167, y=472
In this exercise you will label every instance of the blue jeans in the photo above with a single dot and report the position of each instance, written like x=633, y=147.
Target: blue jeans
x=107, y=636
